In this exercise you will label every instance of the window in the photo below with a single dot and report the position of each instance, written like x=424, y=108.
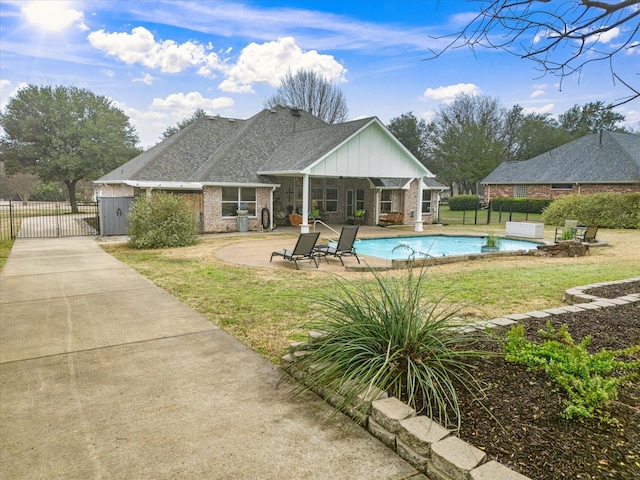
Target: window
x=324, y=196
x=238, y=198
x=360, y=199
x=385, y=201
x=561, y=186
x=426, y=201
x=520, y=191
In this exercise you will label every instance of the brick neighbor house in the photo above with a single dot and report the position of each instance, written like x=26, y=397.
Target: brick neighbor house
x=278, y=161
x=602, y=162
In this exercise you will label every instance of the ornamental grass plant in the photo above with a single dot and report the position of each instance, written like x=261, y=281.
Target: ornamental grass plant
x=389, y=333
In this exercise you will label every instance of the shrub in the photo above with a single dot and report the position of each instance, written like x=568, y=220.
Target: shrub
x=464, y=202
x=387, y=334
x=588, y=379
x=521, y=205
x=608, y=210
x=162, y=220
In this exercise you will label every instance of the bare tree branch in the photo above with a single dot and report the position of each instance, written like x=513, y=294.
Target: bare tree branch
x=561, y=37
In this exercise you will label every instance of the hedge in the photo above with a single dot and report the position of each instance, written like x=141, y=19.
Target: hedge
x=464, y=202
x=522, y=205
x=607, y=210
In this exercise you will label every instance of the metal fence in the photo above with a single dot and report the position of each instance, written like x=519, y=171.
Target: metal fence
x=484, y=215
x=47, y=219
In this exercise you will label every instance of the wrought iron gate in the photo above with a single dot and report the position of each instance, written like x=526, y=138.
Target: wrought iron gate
x=47, y=219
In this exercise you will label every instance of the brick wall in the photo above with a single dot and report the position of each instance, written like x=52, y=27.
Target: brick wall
x=545, y=191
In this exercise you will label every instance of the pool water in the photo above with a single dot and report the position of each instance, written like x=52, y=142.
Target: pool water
x=432, y=246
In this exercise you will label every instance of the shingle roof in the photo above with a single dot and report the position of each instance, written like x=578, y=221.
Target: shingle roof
x=302, y=148
x=217, y=149
x=610, y=158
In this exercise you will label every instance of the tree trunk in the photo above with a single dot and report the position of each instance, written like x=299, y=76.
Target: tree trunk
x=71, y=188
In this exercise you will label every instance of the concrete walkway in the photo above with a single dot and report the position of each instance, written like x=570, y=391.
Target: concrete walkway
x=104, y=375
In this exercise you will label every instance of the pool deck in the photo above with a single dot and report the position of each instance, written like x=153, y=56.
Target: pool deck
x=256, y=252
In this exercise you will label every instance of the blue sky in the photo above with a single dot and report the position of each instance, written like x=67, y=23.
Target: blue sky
x=160, y=60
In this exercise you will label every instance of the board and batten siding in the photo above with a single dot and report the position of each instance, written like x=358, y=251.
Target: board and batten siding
x=369, y=154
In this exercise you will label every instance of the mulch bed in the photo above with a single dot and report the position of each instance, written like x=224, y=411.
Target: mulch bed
x=528, y=433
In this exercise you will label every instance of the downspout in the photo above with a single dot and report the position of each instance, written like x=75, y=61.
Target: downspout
x=304, y=228
x=273, y=189
x=419, y=222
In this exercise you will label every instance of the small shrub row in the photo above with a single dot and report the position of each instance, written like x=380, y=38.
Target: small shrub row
x=520, y=205
x=162, y=220
x=589, y=380
x=464, y=202
x=608, y=210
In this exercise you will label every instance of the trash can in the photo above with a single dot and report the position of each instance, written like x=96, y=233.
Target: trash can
x=243, y=223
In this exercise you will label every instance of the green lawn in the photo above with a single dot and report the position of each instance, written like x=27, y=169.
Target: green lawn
x=266, y=308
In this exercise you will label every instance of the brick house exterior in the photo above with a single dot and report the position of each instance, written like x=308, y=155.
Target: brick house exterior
x=280, y=160
x=604, y=162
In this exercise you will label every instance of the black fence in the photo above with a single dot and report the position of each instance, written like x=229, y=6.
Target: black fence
x=484, y=215
x=47, y=220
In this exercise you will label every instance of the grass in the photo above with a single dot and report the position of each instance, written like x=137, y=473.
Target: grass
x=266, y=308
x=5, y=249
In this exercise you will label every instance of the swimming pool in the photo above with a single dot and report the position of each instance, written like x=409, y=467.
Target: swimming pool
x=433, y=246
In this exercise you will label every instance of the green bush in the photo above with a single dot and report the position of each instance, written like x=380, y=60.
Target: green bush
x=162, y=220
x=589, y=380
x=608, y=210
x=464, y=202
x=387, y=334
x=520, y=205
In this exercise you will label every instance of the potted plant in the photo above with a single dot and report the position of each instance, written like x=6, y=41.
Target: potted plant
x=243, y=210
x=491, y=243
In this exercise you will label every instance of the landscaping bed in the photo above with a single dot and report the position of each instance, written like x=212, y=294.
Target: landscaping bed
x=525, y=429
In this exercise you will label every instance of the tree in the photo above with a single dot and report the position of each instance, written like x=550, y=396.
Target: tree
x=22, y=184
x=412, y=133
x=197, y=114
x=311, y=92
x=529, y=135
x=590, y=118
x=560, y=37
x=65, y=134
x=466, y=141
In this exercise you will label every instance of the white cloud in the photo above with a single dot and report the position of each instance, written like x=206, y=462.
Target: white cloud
x=548, y=108
x=53, y=15
x=268, y=62
x=633, y=48
x=7, y=92
x=190, y=102
x=141, y=47
x=146, y=78
x=606, y=37
x=537, y=93
x=449, y=93
x=107, y=72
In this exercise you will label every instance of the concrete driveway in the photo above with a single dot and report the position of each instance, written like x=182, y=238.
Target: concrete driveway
x=104, y=375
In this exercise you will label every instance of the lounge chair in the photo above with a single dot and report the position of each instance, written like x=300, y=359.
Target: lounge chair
x=344, y=247
x=304, y=250
x=568, y=225
x=587, y=234
x=357, y=217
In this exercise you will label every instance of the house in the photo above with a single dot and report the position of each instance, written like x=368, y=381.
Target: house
x=602, y=162
x=278, y=161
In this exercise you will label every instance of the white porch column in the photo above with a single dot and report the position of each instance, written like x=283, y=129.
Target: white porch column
x=419, y=207
x=304, y=228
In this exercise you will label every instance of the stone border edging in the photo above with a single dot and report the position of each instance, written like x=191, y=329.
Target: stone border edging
x=423, y=443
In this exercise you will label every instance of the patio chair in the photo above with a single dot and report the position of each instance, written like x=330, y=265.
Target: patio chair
x=587, y=234
x=344, y=247
x=304, y=250
x=568, y=224
x=357, y=217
